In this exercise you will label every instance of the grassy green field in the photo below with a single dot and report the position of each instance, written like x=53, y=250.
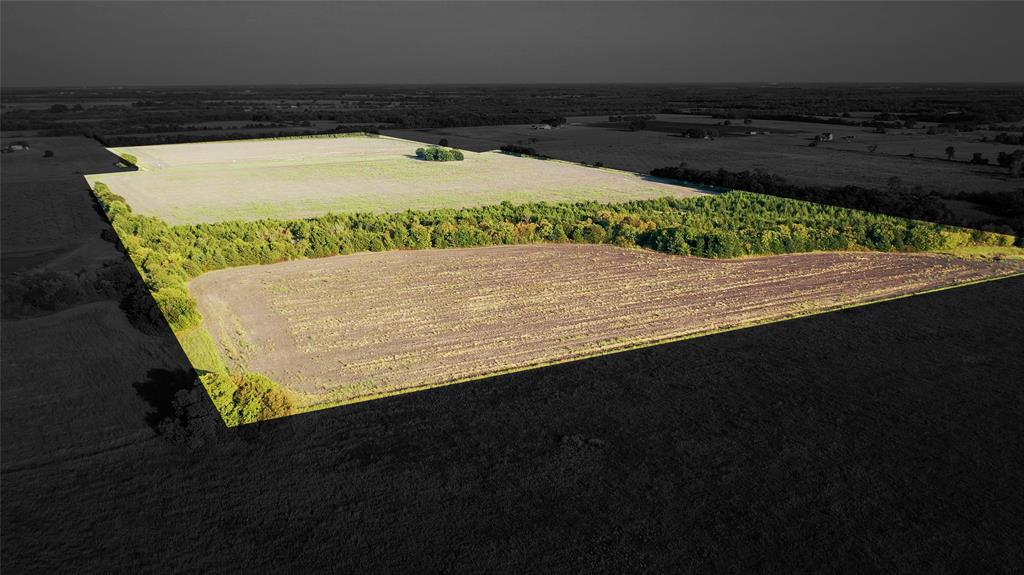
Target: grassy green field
x=305, y=177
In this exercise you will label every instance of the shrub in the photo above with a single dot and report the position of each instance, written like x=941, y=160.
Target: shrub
x=248, y=397
x=178, y=307
x=439, y=154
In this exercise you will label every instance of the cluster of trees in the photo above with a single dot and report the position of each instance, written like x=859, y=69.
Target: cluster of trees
x=700, y=133
x=44, y=291
x=1010, y=139
x=630, y=118
x=896, y=201
x=248, y=397
x=519, y=150
x=1013, y=162
x=439, y=154
x=1009, y=204
x=634, y=122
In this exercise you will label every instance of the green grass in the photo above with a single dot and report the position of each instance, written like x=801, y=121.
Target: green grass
x=201, y=350
x=370, y=175
x=988, y=252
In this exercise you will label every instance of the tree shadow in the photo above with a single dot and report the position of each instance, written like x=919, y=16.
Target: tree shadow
x=160, y=389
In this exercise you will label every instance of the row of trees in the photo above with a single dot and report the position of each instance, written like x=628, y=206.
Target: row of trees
x=747, y=223
x=723, y=226
x=900, y=200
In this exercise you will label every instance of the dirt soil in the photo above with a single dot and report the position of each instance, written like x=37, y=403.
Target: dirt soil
x=351, y=327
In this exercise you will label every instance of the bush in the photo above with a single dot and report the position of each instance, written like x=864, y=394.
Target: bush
x=178, y=307
x=248, y=397
x=439, y=154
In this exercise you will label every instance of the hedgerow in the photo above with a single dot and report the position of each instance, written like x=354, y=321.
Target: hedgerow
x=727, y=225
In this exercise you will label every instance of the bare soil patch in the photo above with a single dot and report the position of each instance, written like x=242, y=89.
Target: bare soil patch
x=357, y=326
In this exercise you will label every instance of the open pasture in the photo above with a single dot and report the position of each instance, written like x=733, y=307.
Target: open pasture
x=304, y=177
x=354, y=327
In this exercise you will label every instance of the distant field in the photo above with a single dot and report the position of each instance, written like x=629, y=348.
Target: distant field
x=785, y=151
x=399, y=321
x=293, y=178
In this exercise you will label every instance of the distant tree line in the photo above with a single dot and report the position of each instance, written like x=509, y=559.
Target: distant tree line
x=518, y=150
x=700, y=133
x=1009, y=139
x=897, y=200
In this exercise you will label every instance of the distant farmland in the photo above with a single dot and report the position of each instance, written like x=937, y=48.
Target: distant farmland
x=357, y=326
x=304, y=177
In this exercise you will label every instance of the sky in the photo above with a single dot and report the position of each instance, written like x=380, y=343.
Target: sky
x=144, y=43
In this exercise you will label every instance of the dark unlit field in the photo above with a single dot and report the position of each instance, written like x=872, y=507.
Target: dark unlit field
x=357, y=326
x=911, y=155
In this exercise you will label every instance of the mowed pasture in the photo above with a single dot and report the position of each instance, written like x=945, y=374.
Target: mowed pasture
x=355, y=327
x=305, y=177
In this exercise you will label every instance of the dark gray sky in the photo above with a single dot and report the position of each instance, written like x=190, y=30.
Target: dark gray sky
x=173, y=43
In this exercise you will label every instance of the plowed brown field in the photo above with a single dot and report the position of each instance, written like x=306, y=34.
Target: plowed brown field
x=356, y=326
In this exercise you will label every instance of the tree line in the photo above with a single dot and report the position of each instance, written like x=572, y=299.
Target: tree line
x=898, y=200
x=715, y=226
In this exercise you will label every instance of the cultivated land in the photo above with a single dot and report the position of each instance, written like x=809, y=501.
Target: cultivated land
x=357, y=326
x=294, y=178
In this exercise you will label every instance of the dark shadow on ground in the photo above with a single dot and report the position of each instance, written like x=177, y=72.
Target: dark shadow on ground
x=880, y=438
x=884, y=438
x=159, y=391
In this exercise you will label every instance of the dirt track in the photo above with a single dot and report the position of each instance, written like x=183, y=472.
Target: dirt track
x=373, y=323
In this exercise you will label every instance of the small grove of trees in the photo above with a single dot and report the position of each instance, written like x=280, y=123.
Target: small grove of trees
x=519, y=150
x=439, y=154
x=1010, y=139
x=950, y=152
x=700, y=133
x=630, y=118
x=555, y=121
x=1013, y=161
